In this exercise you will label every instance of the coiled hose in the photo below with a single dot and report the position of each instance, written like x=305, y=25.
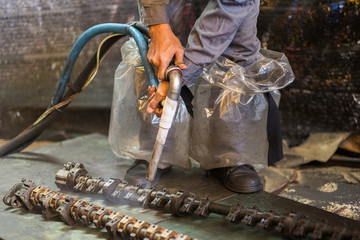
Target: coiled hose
x=61, y=99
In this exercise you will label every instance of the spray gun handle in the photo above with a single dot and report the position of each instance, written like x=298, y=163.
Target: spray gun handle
x=173, y=75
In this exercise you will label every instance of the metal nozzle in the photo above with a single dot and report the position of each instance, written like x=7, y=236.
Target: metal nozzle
x=173, y=74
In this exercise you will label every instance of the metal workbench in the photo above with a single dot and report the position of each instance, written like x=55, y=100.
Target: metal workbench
x=93, y=151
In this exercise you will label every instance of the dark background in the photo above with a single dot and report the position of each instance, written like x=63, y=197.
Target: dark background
x=320, y=38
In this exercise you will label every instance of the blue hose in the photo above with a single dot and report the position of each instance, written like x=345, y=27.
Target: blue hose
x=124, y=29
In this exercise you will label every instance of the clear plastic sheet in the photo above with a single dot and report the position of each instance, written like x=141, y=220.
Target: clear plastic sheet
x=230, y=113
x=270, y=72
x=132, y=131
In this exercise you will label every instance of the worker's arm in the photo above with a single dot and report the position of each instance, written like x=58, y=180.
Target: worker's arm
x=164, y=44
x=163, y=48
x=153, y=12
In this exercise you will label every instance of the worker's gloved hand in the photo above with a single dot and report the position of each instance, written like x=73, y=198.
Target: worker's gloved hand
x=156, y=96
x=163, y=48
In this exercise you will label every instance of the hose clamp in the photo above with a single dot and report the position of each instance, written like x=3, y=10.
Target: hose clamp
x=170, y=69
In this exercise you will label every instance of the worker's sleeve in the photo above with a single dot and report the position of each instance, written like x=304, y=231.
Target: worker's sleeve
x=212, y=33
x=154, y=12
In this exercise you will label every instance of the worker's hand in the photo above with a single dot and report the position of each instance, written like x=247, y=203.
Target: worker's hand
x=164, y=46
x=156, y=96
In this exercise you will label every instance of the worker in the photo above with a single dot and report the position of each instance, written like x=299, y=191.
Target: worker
x=225, y=28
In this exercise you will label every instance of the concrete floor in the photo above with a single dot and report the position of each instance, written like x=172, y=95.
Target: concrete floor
x=314, y=174
x=315, y=186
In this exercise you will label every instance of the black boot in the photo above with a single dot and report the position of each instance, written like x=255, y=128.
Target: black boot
x=241, y=179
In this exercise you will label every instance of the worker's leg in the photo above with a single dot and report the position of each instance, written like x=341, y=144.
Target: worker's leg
x=245, y=46
x=227, y=133
x=234, y=136
x=248, y=138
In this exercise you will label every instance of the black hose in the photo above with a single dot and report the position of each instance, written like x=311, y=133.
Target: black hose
x=26, y=138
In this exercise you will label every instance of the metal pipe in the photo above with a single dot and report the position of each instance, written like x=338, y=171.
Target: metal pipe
x=173, y=74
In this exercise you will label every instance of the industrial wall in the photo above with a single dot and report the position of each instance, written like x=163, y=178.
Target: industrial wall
x=320, y=37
